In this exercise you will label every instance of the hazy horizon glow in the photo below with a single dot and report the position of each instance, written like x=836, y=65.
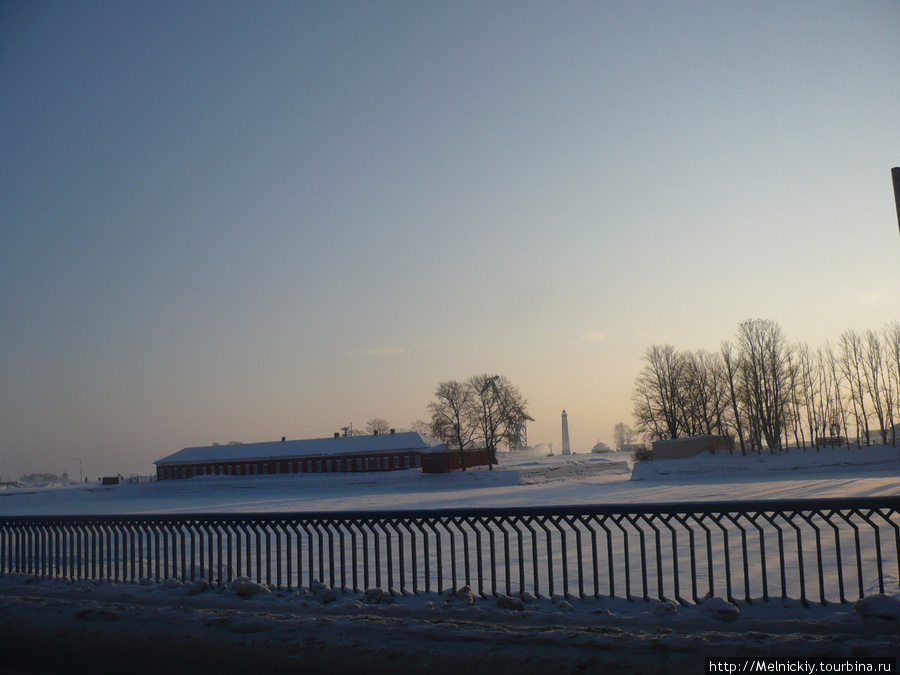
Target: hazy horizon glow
x=243, y=221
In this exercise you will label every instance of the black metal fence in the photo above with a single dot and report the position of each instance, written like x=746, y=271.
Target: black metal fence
x=834, y=550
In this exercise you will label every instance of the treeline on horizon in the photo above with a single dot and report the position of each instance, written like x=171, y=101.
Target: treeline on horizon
x=763, y=390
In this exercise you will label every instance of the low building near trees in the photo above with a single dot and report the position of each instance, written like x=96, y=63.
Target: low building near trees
x=441, y=459
x=681, y=448
x=340, y=454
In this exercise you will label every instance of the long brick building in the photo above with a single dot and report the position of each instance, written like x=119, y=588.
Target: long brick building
x=381, y=452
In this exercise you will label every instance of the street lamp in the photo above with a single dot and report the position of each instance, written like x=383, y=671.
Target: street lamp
x=80, y=470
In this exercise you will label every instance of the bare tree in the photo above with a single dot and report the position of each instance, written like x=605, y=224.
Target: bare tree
x=731, y=368
x=772, y=393
x=656, y=394
x=486, y=409
x=835, y=375
x=376, y=426
x=892, y=365
x=795, y=400
x=499, y=408
x=808, y=393
x=622, y=435
x=874, y=376
x=764, y=353
x=453, y=417
x=852, y=365
x=424, y=428
x=705, y=396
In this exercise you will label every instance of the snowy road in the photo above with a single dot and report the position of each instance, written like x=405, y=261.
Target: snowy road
x=55, y=627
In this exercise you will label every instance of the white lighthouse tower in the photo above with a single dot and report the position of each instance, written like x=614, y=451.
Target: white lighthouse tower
x=565, y=431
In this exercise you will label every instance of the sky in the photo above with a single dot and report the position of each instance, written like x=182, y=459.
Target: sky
x=242, y=221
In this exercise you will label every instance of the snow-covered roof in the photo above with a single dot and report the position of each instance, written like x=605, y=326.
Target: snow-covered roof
x=443, y=448
x=343, y=445
x=687, y=440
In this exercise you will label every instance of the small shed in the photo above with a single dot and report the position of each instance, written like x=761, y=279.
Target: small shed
x=681, y=448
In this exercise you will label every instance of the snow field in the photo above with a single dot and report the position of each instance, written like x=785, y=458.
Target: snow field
x=346, y=611
x=688, y=555
x=811, y=555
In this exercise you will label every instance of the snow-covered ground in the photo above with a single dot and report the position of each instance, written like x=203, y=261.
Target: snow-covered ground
x=241, y=626
x=519, y=481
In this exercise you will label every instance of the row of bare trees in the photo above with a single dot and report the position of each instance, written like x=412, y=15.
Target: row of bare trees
x=485, y=411
x=765, y=391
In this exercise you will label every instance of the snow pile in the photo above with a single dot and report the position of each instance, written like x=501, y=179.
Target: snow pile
x=570, y=469
x=881, y=606
x=826, y=460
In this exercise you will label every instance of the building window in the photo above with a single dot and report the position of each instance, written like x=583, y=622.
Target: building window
x=418, y=461
x=359, y=464
x=406, y=461
x=184, y=473
x=318, y=466
x=290, y=467
x=396, y=462
x=277, y=467
x=328, y=465
x=255, y=469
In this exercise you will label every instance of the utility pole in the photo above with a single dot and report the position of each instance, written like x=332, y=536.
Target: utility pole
x=895, y=173
x=80, y=471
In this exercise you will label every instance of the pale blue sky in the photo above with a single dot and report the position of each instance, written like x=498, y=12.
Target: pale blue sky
x=238, y=221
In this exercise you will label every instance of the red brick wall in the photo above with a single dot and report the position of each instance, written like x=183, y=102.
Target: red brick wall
x=393, y=461
x=444, y=462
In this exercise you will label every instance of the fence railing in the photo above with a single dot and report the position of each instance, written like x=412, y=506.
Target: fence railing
x=834, y=550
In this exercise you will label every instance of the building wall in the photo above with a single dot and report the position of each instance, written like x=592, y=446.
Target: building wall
x=681, y=448
x=445, y=462
x=389, y=461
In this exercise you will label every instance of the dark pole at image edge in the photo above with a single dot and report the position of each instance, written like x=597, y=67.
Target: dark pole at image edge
x=895, y=173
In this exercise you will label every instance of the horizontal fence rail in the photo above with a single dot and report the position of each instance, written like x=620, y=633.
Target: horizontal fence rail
x=834, y=550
